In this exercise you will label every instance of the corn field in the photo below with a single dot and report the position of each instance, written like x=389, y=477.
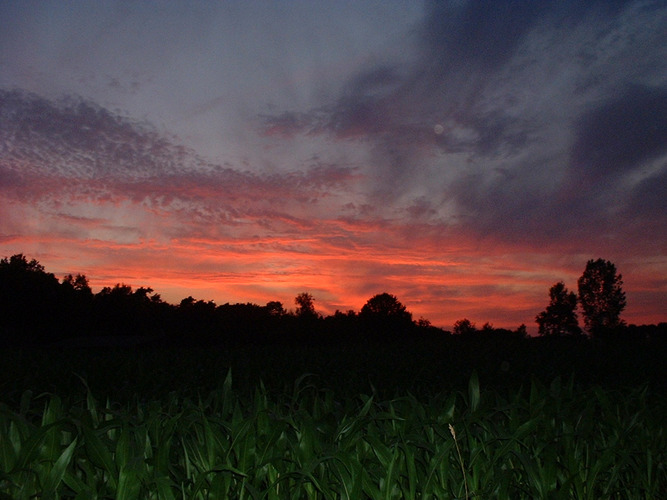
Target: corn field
x=543, y=441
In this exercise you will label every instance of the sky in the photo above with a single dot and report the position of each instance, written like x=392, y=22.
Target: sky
x=463, y=156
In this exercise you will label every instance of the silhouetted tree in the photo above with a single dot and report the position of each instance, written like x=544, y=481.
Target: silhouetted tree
x=78, y=283
x=342, y=326
x=122, y=311
x=241, y=323
x=142, y=294
x=195, y=319
x=383, y=313
x=187, y=301
x=559, y=318
x=422, y=322
x=305, y=307
x=387, y=306
x=29, y=301
x=602, y=297
x=112, y=311
x=464, y=326
x=76, y=302
x=19, y=263
x=275, y=308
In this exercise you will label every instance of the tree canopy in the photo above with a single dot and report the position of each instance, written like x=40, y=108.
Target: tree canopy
x=385, y=305
x=560, y=317
x=601, y=297
x=464, y=326
x=305, y=305
x=384, y=314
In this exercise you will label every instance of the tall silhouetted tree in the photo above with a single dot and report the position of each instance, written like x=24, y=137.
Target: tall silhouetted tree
x=602, y=297
x=560, y=317
x=305, y=307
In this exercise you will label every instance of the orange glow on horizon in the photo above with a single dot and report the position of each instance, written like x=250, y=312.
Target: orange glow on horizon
x=439, y=273
x=440, y=290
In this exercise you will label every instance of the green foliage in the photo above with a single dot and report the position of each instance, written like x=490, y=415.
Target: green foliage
x=550, y=441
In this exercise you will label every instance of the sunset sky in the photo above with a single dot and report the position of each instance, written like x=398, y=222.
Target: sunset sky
x=463, y=156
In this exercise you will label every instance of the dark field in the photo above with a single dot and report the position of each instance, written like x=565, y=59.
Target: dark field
x=437, y=417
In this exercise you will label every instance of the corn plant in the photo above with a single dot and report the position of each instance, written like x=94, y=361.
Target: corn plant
x=540, y=442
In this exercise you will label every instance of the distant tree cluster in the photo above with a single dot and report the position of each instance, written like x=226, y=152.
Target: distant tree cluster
x=601, y=297
x=37, y=308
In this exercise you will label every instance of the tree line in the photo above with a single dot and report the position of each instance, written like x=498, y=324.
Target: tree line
x=36, y=307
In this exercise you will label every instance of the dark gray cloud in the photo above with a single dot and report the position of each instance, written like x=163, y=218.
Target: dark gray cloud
x=527, y=120
x=621, y=134
x=645, y=212
x=612, y=183
x=485, y=35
